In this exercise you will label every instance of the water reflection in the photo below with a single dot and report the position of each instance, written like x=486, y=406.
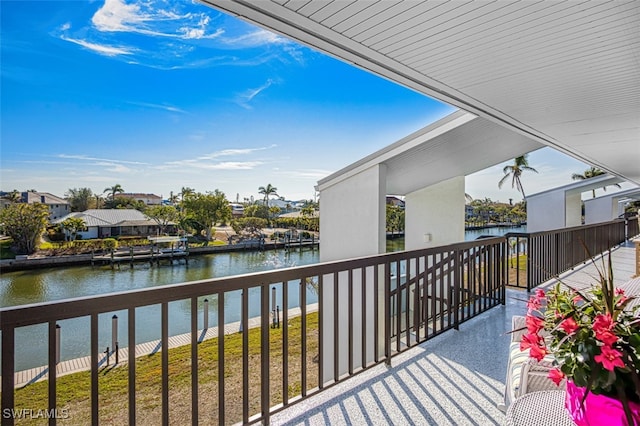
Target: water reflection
x=18, y=288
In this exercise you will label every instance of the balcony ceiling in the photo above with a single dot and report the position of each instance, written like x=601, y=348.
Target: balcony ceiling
x=566, y=73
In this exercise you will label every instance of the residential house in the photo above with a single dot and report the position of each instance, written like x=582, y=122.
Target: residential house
x=103, y=223
x=58, y=207
x=147, y=199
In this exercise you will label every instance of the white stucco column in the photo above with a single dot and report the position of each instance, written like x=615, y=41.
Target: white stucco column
x=434, y=216
x=352, y=216
x=573, y=210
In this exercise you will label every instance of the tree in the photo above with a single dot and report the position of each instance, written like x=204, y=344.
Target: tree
x=249, y=226
x=257, y=210
x=112, y=191
x=163, y=216
x=25, y=223
x=514, y=171
x=79, y=198
x=268, y=191
x=71, y=226
x=591, y=173
x=208, y=209
x=394, y=218
x=13, y=196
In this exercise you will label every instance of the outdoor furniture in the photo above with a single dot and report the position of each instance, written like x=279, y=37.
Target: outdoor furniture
x=539, y=408
x=525, y=374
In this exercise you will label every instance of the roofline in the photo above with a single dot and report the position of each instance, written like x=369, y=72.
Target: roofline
x=433, y=130
x=582, y=186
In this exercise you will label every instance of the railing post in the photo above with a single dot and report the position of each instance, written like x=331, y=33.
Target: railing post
x=205, y=314
x=57, y=343
x=456, y=289
x=114, y=331
x=387, y=313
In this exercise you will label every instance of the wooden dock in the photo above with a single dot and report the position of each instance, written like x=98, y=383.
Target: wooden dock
x=33, y=375
x=153, y=257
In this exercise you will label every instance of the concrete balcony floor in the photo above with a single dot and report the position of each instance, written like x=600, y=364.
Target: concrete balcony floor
x=456, y=378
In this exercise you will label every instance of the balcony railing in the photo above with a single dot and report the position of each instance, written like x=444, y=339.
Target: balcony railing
x=369, y=309
x=537, y=257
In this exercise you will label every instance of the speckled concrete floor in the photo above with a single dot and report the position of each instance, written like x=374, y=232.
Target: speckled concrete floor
x=456, y=378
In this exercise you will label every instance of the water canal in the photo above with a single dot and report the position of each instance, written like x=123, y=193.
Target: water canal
x=24, y=287
x=42, y=285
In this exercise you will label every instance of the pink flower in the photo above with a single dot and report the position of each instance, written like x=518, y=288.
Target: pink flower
x=529, y=340
x=619, y=292
x=569, y=325
x=556, y=376
x=609, y=358
x=533, y=304
x=603, y=326
x=538, y=352
x=540, y=294
x=603, y=323
x=534, y=324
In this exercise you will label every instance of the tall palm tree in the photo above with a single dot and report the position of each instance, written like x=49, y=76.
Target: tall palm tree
x=112, y=191
x=514, y=171
x=588, y=174
x=268, y=191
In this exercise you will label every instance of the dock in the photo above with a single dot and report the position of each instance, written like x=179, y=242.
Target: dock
x=33, y=375
x=175, y=248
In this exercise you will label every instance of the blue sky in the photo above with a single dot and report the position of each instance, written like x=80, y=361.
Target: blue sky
x=159, y=95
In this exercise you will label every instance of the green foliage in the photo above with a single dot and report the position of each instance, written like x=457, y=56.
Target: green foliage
x=72, y=226
x=79, y=198
x=109, y=244
x=257, y=210
x=251, y=226
x=207, y=209
x=125, y=203
x=395, y=218
x=162, y=215
x=25, y=224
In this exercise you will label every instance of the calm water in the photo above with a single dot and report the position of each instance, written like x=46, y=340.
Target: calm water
x=18, y=288
x=24, y=287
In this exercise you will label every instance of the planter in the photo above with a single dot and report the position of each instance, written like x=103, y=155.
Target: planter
x=597, y=409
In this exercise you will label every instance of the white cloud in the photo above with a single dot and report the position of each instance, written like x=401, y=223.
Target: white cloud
x=243, y=99
x=256, y=38
x=234, y=151
x=159, y=106
x=95, y=159
x=100, y=48
x=149, y=19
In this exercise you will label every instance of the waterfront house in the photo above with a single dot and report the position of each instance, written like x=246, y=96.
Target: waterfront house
x=559, y=74
x=104, y=223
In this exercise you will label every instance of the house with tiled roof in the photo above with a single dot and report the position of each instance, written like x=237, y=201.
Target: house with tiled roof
x=104, y=223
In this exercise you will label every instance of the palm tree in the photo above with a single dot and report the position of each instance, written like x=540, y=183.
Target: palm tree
x=112, y=191
x=515, y=170
x=268, y=191
x=588, y=174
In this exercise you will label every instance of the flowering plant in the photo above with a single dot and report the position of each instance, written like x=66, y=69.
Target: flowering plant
x=593, y=336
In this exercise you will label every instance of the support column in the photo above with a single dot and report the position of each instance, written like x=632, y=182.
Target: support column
x=434, y=216
x=352, y=216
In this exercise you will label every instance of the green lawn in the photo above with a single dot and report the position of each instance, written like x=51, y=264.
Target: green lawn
x=73, y=391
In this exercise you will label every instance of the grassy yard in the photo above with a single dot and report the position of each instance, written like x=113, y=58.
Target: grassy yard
x=73, y=391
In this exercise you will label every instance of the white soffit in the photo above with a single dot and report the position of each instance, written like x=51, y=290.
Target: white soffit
x=456, y=145
x=565, y=73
